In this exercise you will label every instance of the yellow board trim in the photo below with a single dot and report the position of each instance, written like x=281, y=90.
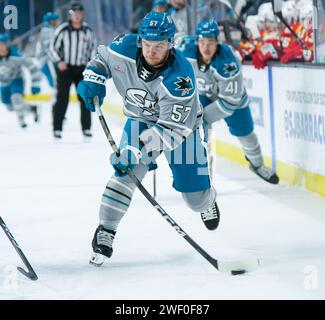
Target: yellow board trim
x=46, y=97
x=293, y=175
x=37, y=97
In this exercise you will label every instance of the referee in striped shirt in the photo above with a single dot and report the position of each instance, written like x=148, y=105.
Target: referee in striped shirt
x=72, y=47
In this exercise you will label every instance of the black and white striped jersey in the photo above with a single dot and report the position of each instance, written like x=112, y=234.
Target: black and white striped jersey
x=73, y=46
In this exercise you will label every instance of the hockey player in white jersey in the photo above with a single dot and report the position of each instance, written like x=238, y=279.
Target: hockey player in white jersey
x=12, y=63
x=51, y=21
x=162, y=106
x=223, y=94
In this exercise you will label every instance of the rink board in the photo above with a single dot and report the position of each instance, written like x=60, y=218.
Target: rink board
x=292, y=133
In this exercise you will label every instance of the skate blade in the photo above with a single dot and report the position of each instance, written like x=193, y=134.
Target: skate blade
x=273, y=179
x=97, y=259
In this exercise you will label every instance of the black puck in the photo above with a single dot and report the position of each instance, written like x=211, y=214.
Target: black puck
x=236, y=272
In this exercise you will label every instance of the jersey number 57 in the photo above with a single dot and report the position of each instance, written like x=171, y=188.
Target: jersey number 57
x=180, y=113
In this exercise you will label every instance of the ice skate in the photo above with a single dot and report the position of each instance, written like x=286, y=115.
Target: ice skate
x=57, y=135
x=211, y=217
x=102, y=246
x=87, y=133
x=264, y=172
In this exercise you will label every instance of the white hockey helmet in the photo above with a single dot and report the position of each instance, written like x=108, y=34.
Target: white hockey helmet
x=265, y=13
x=290, y=11
x=306, y=16
x=251, y=24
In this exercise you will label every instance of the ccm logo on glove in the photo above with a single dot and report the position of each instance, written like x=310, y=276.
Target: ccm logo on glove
x=91, y=76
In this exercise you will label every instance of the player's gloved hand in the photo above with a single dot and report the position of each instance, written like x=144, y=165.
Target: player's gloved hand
x=93, y=85
x=297, y=52
x=36, y=90
x=128, y=159
x=262, y=55
x=292, y=54
x=258, y=60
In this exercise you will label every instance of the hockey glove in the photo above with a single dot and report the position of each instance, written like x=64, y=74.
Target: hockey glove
x=297, y=53
x=261, y=56
x=36, y=90
x=128, y=159
x=93, y=85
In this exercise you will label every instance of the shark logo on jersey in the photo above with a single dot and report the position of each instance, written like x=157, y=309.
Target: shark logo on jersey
x=230, y=68
x=137, y=98
x=144, y=73
x=184, y=84
x=119, y=39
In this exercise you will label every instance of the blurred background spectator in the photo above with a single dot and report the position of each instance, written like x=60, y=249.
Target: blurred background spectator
x=250, y=27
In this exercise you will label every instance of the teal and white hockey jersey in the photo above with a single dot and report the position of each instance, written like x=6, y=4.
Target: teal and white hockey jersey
x=221, y=81
x=11, y=68
x=168, y=101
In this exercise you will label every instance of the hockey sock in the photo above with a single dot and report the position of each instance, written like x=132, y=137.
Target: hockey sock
x=117, y=198
x=252, y=149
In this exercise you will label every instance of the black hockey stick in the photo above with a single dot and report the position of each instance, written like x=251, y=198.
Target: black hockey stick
x=238, y=19
x=30, y=273
x=277, y=8
x=233, y=267
x=154, y=182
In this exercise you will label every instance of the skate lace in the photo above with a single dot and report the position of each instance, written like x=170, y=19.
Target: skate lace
x=210, y=213
x=105, y=238
x=265, y=172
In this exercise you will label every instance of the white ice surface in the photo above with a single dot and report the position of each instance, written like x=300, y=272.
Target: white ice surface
x=50, y=195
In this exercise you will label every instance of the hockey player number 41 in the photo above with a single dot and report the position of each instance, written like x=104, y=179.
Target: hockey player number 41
x=232, y=87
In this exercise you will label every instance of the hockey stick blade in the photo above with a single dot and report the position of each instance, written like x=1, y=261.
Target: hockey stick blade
x=235, y=267
x=239, y=266
x=30, y=275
